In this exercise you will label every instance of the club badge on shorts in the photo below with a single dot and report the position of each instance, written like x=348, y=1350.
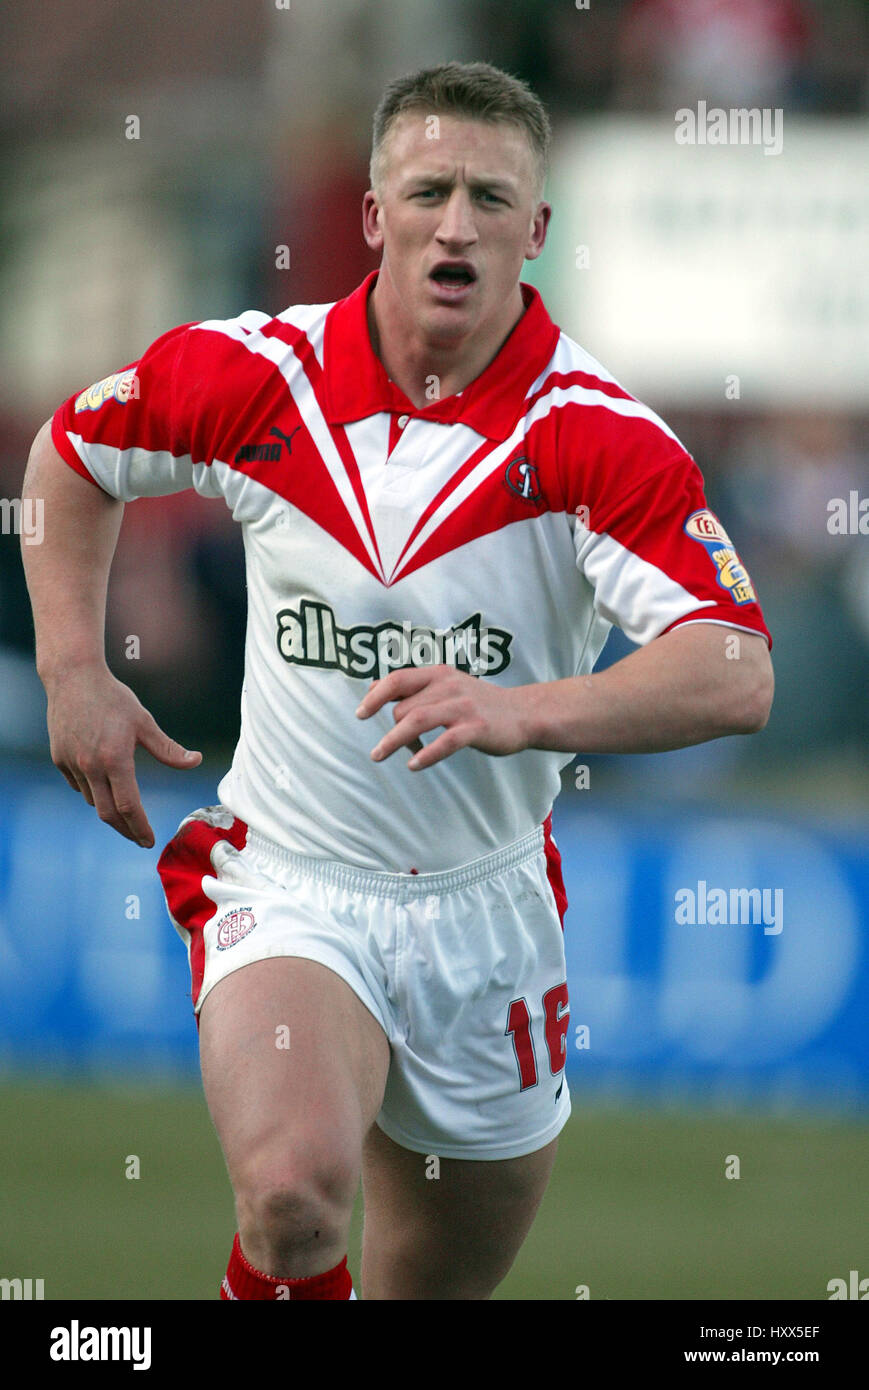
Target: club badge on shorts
x=233, y=926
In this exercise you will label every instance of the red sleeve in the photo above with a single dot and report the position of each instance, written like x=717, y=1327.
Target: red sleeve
x=97, y=429
x=645, y=538
x=666, y=523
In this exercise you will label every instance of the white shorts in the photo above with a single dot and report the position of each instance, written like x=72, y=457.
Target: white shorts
x=463, y=970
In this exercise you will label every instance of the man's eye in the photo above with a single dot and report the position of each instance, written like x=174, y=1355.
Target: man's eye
x=437, y=193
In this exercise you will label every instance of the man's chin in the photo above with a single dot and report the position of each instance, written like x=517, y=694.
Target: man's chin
x=448, y=322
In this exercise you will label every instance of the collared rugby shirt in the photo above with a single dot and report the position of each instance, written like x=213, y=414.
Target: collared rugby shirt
x=503, y=530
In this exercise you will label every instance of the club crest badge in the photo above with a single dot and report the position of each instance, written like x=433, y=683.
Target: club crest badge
x=234, y=926
x=523, y=478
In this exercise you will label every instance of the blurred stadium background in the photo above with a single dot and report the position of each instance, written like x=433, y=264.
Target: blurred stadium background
x=725, y=287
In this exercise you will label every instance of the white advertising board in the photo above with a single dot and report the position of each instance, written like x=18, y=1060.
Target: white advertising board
x=705, y=272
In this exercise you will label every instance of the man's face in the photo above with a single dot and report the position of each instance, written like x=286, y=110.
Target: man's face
x=455, y=191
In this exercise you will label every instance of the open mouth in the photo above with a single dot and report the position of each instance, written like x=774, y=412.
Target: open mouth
x=453, y=276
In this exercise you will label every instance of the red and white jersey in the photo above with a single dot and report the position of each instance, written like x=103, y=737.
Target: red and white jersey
x=503, y=530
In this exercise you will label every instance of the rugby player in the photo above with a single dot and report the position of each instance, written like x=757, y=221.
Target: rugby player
x=446, y=505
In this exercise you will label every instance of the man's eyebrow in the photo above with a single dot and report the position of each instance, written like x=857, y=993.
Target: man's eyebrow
x=445, y=181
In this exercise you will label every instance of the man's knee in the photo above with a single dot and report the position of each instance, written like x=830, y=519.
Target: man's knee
x=294, y=1208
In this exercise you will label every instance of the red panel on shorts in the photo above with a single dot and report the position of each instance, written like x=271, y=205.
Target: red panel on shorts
x=553, y=869
x=182, y=866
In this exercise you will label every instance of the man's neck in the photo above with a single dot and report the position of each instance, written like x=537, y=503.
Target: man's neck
x=411, y=362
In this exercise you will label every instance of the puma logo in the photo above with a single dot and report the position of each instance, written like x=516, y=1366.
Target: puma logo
x=287, y=438
x=266, y=453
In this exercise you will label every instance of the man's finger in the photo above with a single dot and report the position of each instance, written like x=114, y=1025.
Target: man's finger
x=128, y=804
x=396, y=686
x=406, y=732
x=82, y=785
x=450, y=741
x=73, y=782
x=165, y=749
x=104, y=804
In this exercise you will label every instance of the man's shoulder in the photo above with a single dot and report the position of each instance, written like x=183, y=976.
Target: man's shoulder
x=221, y=352
x=570, y=358
x=586, y=400
x=257, y=322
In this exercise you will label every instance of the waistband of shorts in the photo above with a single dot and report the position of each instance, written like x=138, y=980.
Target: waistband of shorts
x=380, y=883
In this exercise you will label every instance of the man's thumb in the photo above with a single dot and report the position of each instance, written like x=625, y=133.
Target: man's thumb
x=166, y=750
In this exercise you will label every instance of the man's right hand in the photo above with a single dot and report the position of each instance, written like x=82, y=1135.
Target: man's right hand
x=95, y=724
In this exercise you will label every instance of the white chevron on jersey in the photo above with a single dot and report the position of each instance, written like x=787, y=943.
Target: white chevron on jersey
x=494, y=458
x=275, y=351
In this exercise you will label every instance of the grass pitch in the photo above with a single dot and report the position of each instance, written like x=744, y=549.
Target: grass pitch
x=639, y=1206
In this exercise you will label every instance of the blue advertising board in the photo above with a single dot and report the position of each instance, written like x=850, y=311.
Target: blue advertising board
x=718, y=955
x=710, y=955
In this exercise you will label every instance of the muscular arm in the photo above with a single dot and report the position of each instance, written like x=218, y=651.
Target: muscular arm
x=698, y=682
x=67, y=575
x=94, y=721
x=681, y=689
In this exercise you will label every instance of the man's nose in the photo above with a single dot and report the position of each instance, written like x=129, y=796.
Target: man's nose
x=457, y=223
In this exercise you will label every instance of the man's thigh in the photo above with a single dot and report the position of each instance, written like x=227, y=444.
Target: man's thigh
x=445, y=1231
x=293, y=1063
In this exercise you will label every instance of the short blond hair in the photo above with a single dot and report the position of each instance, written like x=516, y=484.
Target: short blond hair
x=476, y=91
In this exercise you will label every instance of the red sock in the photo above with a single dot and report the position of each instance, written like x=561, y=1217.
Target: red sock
x=243, y=1282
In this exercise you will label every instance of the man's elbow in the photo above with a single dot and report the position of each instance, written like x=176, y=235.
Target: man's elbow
x=755, y=703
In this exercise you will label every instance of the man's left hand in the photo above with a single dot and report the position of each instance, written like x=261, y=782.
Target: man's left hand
x=473, y=713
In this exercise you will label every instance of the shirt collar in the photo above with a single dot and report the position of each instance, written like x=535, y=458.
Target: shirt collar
x=356, y=384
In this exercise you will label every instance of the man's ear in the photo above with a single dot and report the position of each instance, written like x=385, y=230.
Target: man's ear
x=537, y=231
x=371, y=221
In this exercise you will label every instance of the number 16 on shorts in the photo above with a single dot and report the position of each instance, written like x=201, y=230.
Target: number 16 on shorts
x=556, y=1020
